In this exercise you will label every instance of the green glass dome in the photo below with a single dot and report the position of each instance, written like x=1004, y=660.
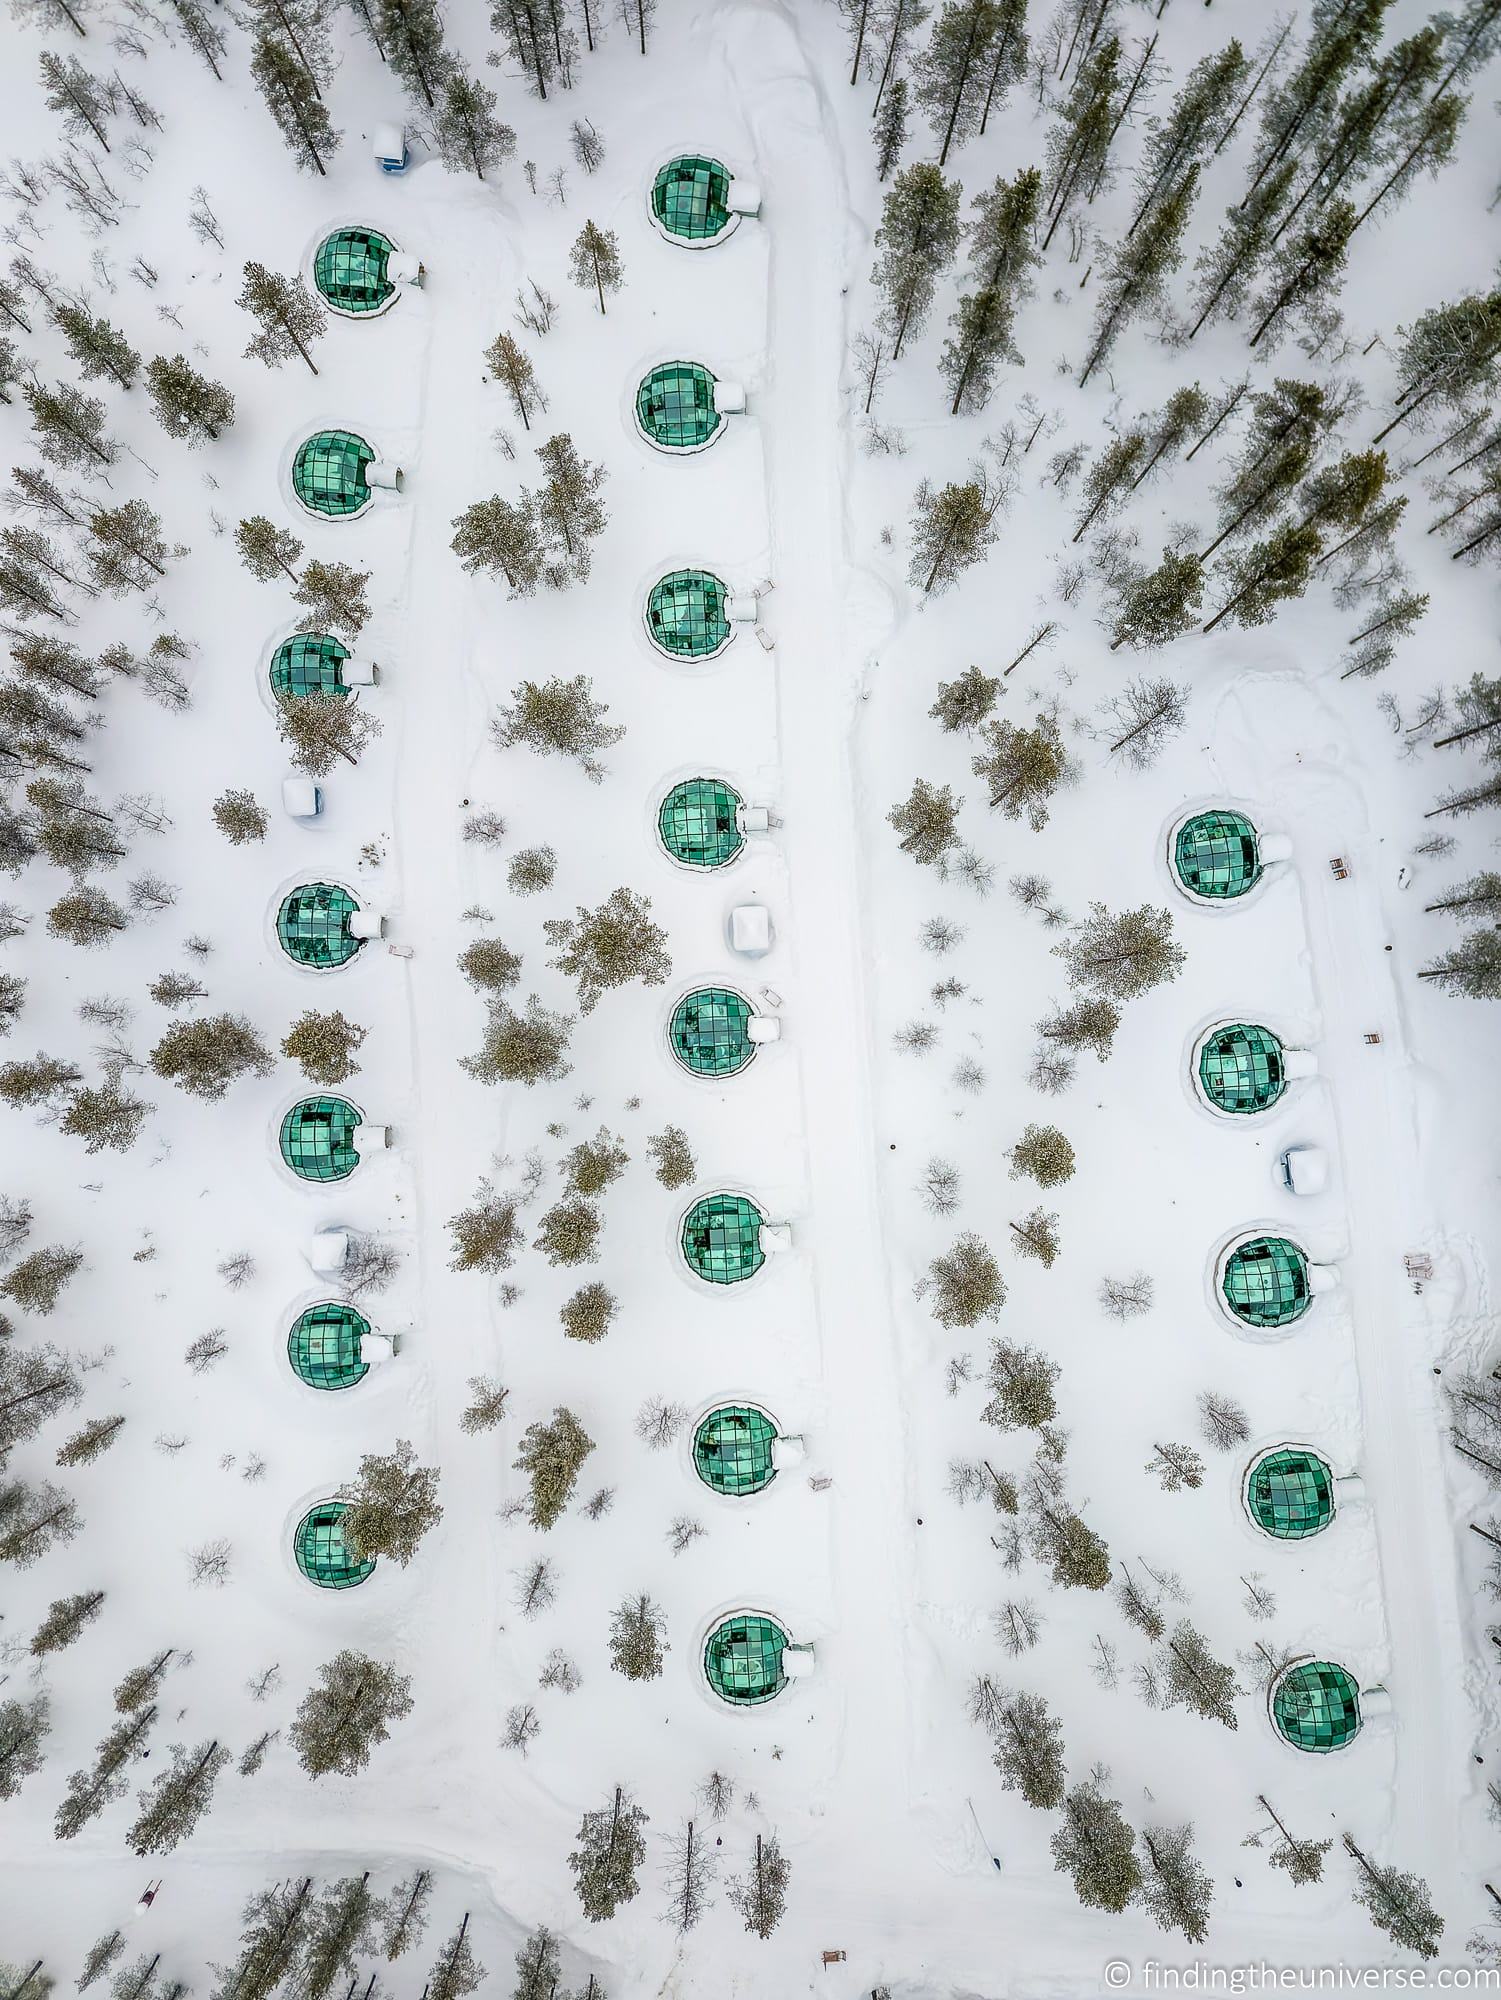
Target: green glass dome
x=696, y=822
x=1215, y=855
x=721, y=1238
x=732, y=1450
x=312, y=926
x=350, y=270
x=322, y=1554
x=1265, y=1281
x=675, y=406
x=688, y=197
x=1241, y=1068
x=323, y=1345
x=317, y=1138
x=328, y=473
x=685, y=614
x=308, y=663
x=743, y=1659
x=1290, y=1494
x=1316, y=1706
x=708, y=1031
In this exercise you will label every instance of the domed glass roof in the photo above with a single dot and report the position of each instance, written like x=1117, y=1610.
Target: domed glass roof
x=1240, y=1067
x=1265, y=1281
x=328, y=473
x=1290, y=1494
x=688, y=197
x=1216, y=855
x=697, y=823
x=317, y=1138
x=321, y=1551
x=675, y=406
x=323, y=1345
x=732, y=1450
x=308, y=663
x=312, y=926
x=685, y=614
x=743, y=1658
x=708, y=1031
x=1316, y=1706
x=350, y=270
x=721, y=1238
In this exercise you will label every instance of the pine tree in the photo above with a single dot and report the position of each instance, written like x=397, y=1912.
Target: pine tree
x=1023, y=768
x=1472, y=969
x=289, y=317
x=610, y=947
x=465, y=132
x=1449, y=358
x=323, y=1046
x=204, y=1057
x=537, y=1967
x=594, y=262
x=36, y=1283
x=952, y=529
x=24, y=1728
x=89, y=1792
x=1097, y=1847
x=1043, y=1153
x=965, y=703
x=69, y=428
x=456, y=1970
x=1398, y=1904
x=1267, y=574
x=889, y=128
x=690, y=1873
x=411, y=34
x=1227, y=267
x=671, y=1157
x=391, y=1505
x=1297, y=111
x=1079, y=141
x=1037, y=1236
x=760, y=1895
x=1306, y=273
x=1029, y=1750
x=956, y=71
x=966, y=1283
x=502, y=538
x=490, y=965
x=587, y=1315
x=173, y=1805
x=187, y=404
x=106, y=1119
x=927, y=820
x=97, y=347
x=345, y=1715
x=140, y=1685
x=487, y=1236
x=275, y=1929
x=1145, y=716
x=1158, y=605
x=36, y=1384
x=1175, y=1888
x=266, y=550
x=916, y=241
x=406, y=1914
x=320, y=728
x=78, y=98
x=637, y=1644
x=1286, y=424
x=1136, y=277
x=135, y=1982
x=65, y=1619
x=569, y=510
x=1303, y=1860
x=85, y=917
x=1480, y=892
x=1182, y=138
x=1194, y=1679
x=126, y=548
x=1077, y=1556
x=513, y=369
x=332, y=596
x=241, y=818
x=522, y=1048
x=611, y=1847
x=1021, y=1384
x=293, y=99
x=524, y=25
x=100, y=1956
x=200, y=34
x=550, y=1456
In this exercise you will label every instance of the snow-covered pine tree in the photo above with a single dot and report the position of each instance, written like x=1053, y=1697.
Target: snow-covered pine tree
x=200, y=34
x=570, y=512
x=106, y=1118
x=1175, y=1888
x=1297, y=111
x=1096, y=1846
x=344, y=1716
x=1398, y=1904
x=1028, y=1749
x=187, y=404
x=1286, y=424
x=691, y=1867
x=526, y=28
x=1043, y=1153
x=465, y=132
x=35, y=1285
x=522, y=1048
x=1121, y=956
x=456, y=1971
x=406, y=1914
x=126, y=548
x=88, y=1792
x=611, y=1847
x=275, y=1926
x=1135, y=279
x=538, y=1967
x=1226, y=269
x=319, y=728
x=173, y=1804
x=1144, y=717
x=140, y=1685
x=391, y=1505
x=288, y=315
x=323, y=1046
x=266, y=550
x=1155, y=606
x=66, y=1617
x=1305, y=273
x=1021, y=1385
x=637, y=1639
x=303, y=26
x=87, y=917
x=1183, y=137
x=98, y=347
x=295, y=102
x=760, y=1894
x=927, y=820
x=99, y=1957
x=1481, y=893
x=568, y=1233
x=1023, y=768
x=889, y=128
x=1267, y=574
x=953, y=528
x=1303, y=1860
x=956, y=71
x=204, y=1057
x=1079, y=140
x=1472, y=968
x=551, y=1455
x=1078, y=1558
x=411, y=33
x=915, y=244
x=1169, y=430
x=502, y=539
x=594, y=262
x=966, y=1284
x=610, y=947
x=25, y=1723
x=1036, y=1235
x=1193, y=1678
x=69, y=428
x=78, y=97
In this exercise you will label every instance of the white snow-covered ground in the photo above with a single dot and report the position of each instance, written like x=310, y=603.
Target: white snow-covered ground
x=870, y=1771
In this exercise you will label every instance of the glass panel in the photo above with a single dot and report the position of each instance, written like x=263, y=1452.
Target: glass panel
x=688, y=197
x=675, y=405
x=323, y=1346
x=328, y=473
x=312, y=926
x=308, y=663
x=350, y=270
x=697, y=823
x=321, y=1552
x=708, y=1031
x=1317, y=1707
x=1265, y=1281
x=732, y=1450
x=317, y=1139
x=1240, y=1067
x=1216, y=855
x=685, y=614
x=743, y=1658
x=1290, y=1494
x=721, y=1238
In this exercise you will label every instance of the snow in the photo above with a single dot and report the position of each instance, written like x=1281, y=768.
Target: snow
x=868, y=1767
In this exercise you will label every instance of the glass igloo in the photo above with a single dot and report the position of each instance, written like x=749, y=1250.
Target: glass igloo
x=1290, y=1493
x=323, y=1345
x=743, y=1659
x=696, y=823
x=322, y=1554
x=312, y=926
x=1264, y=1282
x=317, y=1138
x=675, y=407
x=732, y=1450
x=1240, y=1068
x=328, y=473
x=721, y=1239
x=689, y=198
x=1316, y=1706
x=686, y=616
x=709, y=1031
x=308, y=663
x=1216, y=856
x=350, y=271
